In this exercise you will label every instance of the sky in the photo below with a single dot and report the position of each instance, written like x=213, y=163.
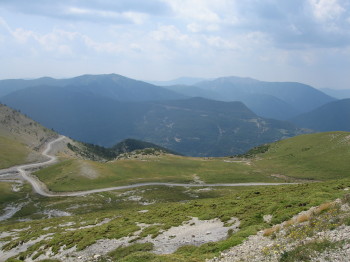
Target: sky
x=305, y=41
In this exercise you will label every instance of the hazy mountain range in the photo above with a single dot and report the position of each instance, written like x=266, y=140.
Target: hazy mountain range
x=337, y=93
x=278, y=100
x=334, y=116
x=106, y=109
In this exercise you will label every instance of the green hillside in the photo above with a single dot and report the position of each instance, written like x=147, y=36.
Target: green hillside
x=71, y=175
x=12, y=152
x=322, y=156
x=318, y=156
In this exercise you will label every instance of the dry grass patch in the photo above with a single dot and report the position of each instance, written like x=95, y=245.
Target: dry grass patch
x=272, y=230
x=303, y=218
x=323, y=207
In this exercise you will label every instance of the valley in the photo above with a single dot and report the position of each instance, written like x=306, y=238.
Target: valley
x=205, y=199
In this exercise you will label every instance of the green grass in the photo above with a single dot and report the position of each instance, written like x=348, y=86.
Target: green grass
x=319, y=156
x=12, y=152
x=7, y=195
x=122, y=252
x=67, y=175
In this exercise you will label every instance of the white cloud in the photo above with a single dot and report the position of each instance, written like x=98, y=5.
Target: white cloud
x=198, y=10
x=221, y=43
x=250, y=37
x=197, y=28
x=61, y=42
x=168, y=32
x=325, y=10
x=94, y=11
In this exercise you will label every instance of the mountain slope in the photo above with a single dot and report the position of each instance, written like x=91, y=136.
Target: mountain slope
x=278, y=100
x=11, y=85
x=321, y=156
x=201, y=127
x=301, y=97
x=337, y=93
x=20, y=138
x=334, y=116
x=191, y=127
x=82, y=116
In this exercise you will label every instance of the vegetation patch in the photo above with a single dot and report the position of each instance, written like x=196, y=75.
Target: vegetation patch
x=319, y=156
x=282, y=202
x=123, y=252
x=12, y=152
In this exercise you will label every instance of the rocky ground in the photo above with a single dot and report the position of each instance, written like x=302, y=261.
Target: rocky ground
x=319, y=234
x=192, y=232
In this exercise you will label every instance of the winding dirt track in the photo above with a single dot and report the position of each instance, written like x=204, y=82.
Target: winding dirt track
x=39, y=188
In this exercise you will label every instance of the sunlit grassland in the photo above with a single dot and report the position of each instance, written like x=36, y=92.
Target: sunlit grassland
x=12, y=152
x=319, y=156
x=69, y=174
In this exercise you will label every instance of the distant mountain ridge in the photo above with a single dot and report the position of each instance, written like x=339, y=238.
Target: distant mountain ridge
x=334, y=116
x=337, y=93
x=204, y=119
x=178, y=81
x=112, y=85
x=278, y=100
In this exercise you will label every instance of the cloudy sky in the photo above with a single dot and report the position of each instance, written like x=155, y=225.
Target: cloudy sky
x=277, y=40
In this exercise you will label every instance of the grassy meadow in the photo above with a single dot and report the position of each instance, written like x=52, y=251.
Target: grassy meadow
x=317, y=157
x=71, y=175
x=320, y=156
x=12, y=152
